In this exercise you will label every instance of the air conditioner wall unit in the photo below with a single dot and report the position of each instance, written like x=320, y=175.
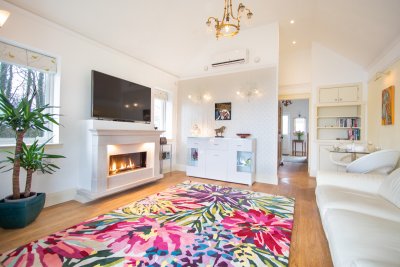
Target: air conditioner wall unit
x=238, y=56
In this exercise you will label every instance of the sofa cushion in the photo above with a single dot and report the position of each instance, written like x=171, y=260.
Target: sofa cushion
x=354, y=237
x=333, y=197
x=390, y=188
x=357, y=181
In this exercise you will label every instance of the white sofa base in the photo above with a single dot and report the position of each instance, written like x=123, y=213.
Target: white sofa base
x=362, y=227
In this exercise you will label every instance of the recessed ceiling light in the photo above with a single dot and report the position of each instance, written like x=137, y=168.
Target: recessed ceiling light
x=292, y=21
x=294, y=42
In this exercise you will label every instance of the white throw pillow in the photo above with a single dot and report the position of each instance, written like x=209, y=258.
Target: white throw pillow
x=390, y=188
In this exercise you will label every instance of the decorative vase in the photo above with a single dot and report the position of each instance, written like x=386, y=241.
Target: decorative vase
x=22, y=212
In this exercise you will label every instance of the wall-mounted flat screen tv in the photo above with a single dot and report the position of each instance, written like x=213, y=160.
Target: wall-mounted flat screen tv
x=117, y=99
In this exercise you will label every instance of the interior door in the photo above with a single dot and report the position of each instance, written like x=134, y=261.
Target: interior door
x=286, y=137
x=279, y=134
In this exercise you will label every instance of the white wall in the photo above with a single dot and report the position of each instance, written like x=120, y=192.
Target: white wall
x=384, y=136
x=294, y=67
x=264, y=43
x=329, y=68
x=257, y=115
x=77, y=56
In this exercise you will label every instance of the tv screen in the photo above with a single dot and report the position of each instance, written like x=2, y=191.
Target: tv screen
x=121, y=100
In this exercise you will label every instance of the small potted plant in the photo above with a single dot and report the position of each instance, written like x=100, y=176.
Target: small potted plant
x=20, y=209
x=298, y=134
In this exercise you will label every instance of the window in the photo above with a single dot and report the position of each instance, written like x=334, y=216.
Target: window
x=163, y=113
x=300, y=124
x=24, y=73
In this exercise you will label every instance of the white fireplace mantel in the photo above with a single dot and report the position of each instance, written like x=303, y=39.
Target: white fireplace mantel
x=105, y=137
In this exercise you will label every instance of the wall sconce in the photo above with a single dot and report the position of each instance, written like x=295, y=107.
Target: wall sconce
x=249, y=94
x=4, y=14
x=380, y=74
x=200, y=98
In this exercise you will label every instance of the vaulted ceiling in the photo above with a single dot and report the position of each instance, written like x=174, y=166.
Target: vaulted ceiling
x=168, y=34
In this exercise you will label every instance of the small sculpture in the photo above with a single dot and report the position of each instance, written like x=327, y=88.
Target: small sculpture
x=220, y=131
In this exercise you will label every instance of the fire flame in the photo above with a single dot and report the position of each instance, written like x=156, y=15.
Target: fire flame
x=123, y=166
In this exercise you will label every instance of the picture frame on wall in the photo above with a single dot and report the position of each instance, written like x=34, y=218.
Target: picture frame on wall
x=223, y=111
x=388, y=106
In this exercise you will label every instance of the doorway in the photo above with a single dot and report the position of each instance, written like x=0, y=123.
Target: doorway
x=294, y=130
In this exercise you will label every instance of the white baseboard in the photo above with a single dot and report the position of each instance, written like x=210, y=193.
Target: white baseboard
x=60, y=197
x=180, y=167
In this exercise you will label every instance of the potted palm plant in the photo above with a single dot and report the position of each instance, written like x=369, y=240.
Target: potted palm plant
x=20, y=209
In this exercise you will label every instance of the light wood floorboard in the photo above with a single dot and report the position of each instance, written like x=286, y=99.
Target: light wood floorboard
x=309, y=246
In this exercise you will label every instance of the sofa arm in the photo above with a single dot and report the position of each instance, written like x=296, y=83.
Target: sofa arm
x=357, y=181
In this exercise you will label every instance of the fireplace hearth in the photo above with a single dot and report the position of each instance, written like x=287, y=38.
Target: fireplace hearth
x=126, y=162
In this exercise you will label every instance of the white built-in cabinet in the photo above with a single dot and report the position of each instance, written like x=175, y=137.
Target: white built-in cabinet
x=339, y=94
x=225, y=159
x=340, y=120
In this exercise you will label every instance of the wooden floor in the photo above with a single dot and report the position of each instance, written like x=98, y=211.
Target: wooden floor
x=308, y=247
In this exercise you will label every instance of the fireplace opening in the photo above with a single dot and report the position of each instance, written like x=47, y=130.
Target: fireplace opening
x=127, y=162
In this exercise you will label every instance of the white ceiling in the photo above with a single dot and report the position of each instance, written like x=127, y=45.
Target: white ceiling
x=168, y=34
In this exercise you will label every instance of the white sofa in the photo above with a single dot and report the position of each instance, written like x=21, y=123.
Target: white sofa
x=360, y=214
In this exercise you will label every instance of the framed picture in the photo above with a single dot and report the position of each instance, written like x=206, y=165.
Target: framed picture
x=388, y=106
x=223, y=111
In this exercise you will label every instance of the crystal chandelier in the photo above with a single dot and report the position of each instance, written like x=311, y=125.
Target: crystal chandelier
x=229, y=24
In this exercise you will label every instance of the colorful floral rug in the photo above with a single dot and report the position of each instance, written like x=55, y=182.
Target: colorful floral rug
x=190, y=224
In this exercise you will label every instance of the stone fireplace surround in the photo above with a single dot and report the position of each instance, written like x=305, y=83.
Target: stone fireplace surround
x=105, y=138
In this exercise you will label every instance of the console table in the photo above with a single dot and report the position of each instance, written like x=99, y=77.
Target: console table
x=225, y=159
x=294, y=147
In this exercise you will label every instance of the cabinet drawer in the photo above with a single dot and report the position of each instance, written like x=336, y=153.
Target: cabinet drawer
x=240, y=145
x=217, y=144
x=195, y=142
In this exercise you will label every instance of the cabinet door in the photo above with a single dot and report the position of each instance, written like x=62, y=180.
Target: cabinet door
x=195, y=157
x=216, y=164
x=348, y=94
x=328, y=95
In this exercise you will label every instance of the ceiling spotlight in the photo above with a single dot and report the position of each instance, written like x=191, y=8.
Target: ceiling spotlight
x=292, y=21
x=294, y=42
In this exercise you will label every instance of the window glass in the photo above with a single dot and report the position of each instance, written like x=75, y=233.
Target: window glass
x=300, y=124
x=18, y=82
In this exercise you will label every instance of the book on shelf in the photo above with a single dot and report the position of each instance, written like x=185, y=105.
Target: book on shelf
x=354, y=134
x=348, y=122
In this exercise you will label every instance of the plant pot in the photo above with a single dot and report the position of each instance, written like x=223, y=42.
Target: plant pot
x=20, y=213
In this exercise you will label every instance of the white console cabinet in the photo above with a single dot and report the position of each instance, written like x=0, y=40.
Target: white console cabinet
x=225, y=159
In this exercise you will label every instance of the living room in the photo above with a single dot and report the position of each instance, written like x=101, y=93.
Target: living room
x=290, y=51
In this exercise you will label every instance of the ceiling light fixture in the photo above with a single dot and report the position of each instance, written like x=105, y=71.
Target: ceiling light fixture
x=4, y=14
x=229, y=24
x=294, y=42
x=286, y=102
x=292, y=21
